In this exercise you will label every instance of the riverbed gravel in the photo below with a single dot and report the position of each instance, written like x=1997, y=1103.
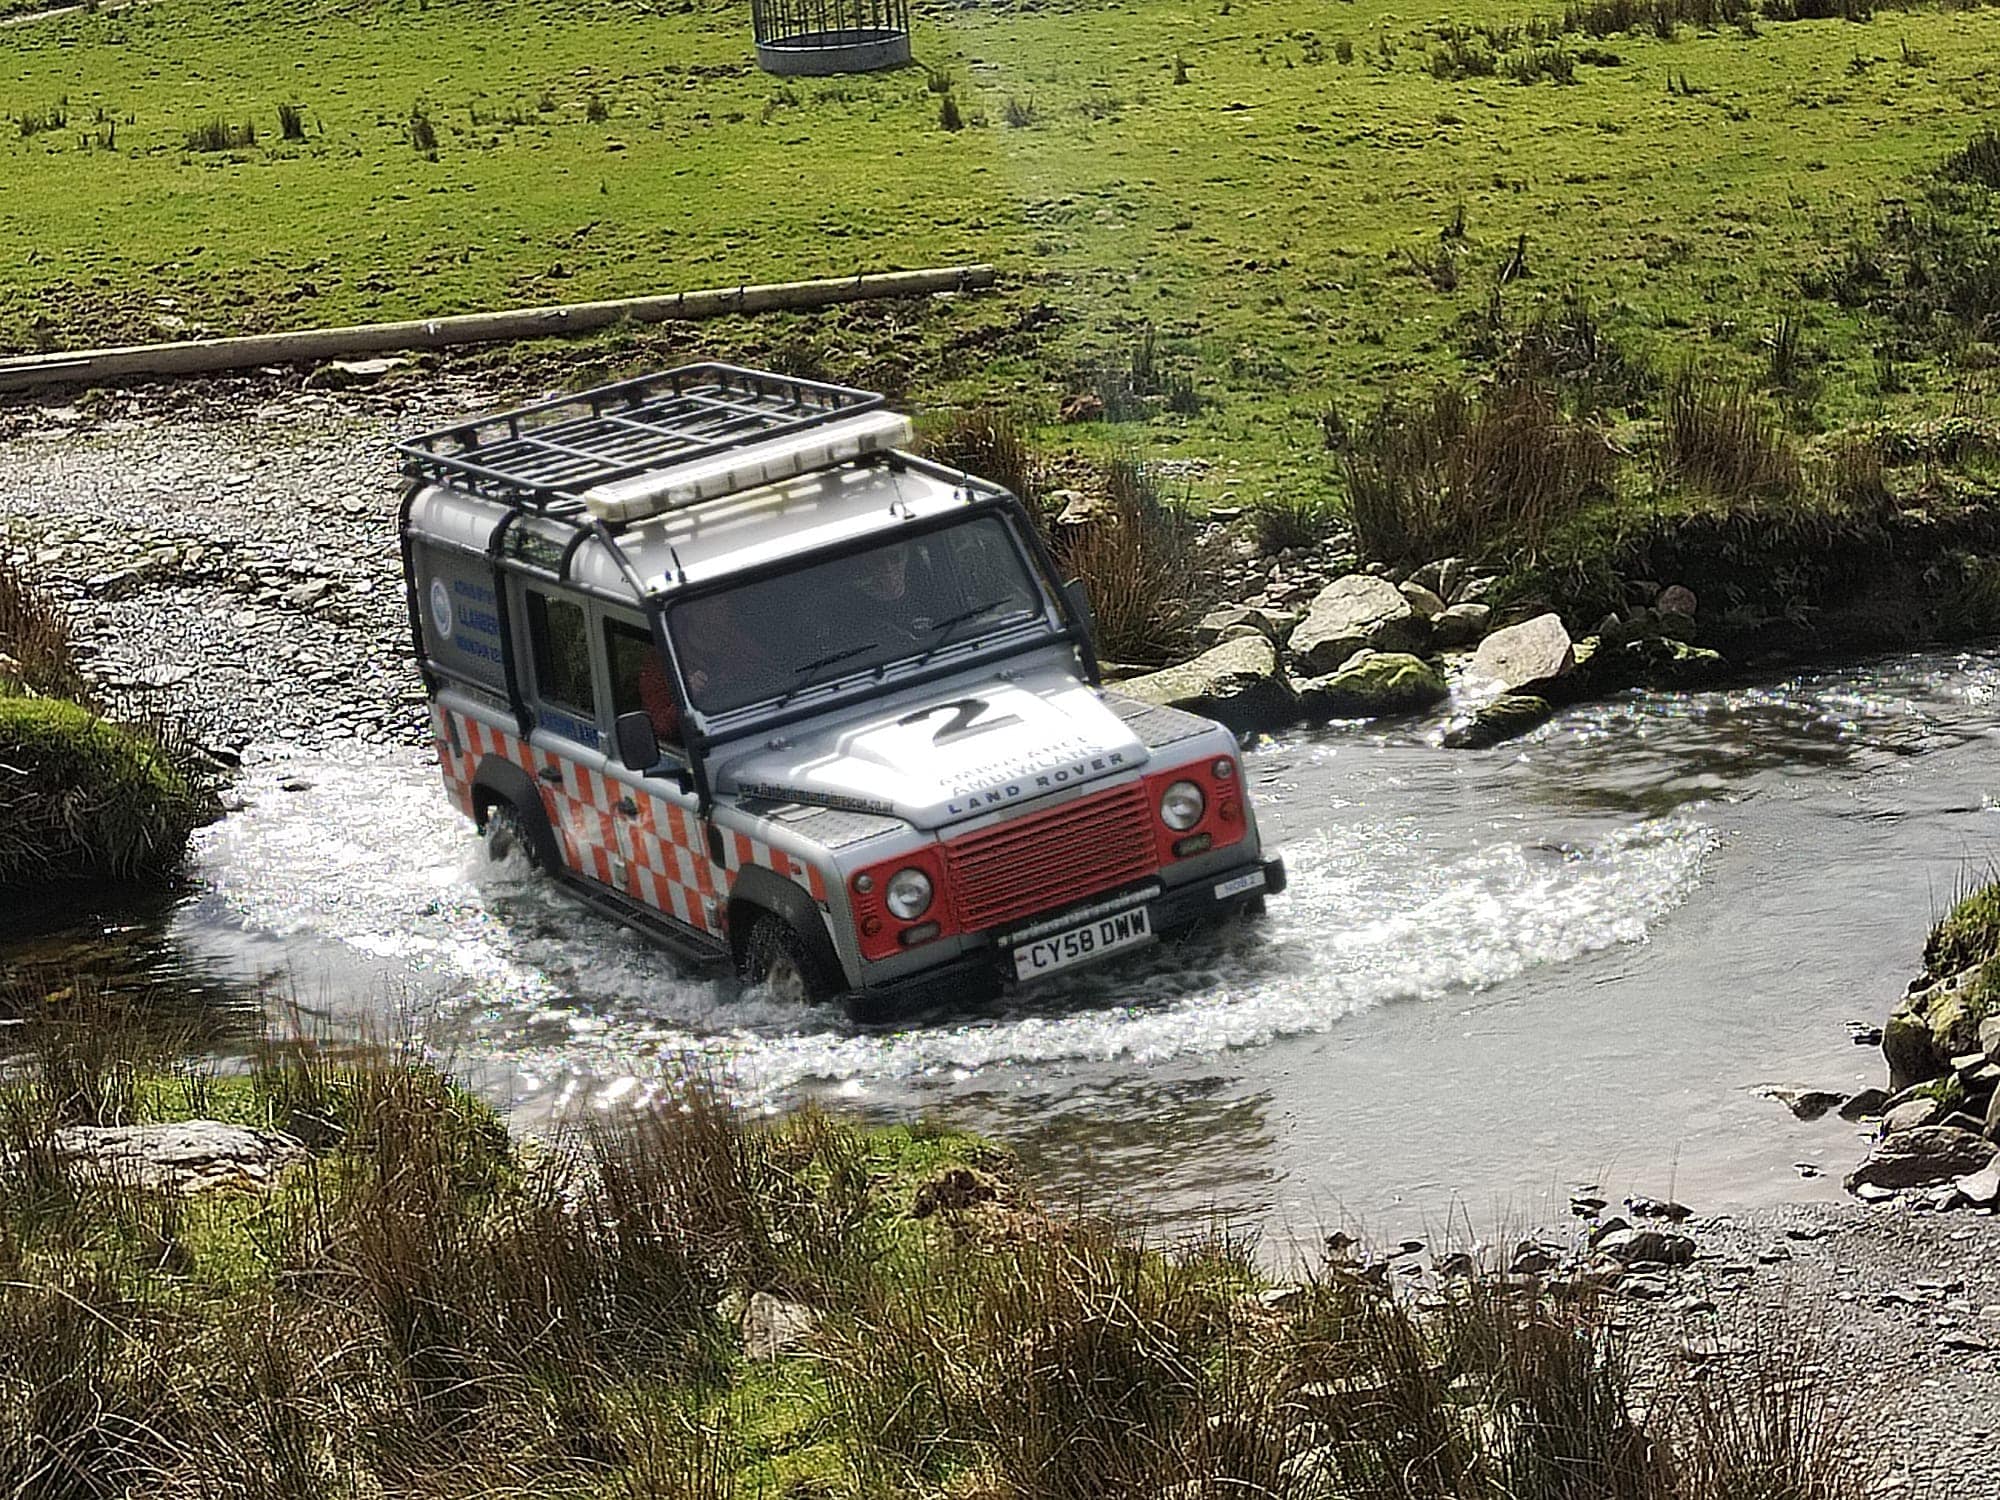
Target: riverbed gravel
x=229, y=547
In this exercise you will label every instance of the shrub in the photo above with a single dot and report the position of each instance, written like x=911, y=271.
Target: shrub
x=291, y=123
x=1717, y=439
x=1456, y=473
x=595, y=110
x=1299, y=518
x=949, y=117
x=84, y=802
x=1017, y=114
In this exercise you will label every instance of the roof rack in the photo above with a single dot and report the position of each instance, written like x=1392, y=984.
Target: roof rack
x=615, y=453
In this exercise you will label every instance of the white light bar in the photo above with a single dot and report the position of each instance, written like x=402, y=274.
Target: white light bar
x=746, y=468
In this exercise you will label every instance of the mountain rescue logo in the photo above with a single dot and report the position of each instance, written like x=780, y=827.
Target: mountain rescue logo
x=441, y=612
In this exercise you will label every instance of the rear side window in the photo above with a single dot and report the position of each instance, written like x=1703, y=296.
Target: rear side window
x=561, y=640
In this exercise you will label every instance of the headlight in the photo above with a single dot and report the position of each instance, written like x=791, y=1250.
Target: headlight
x=1181, y=806
x=908, y=895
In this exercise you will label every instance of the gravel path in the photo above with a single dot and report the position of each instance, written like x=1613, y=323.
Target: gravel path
x=232, y=547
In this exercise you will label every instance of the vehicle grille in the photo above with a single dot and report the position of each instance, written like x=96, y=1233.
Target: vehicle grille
x=1053, y=858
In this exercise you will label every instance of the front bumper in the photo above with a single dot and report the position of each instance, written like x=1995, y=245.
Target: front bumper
x=986, y=972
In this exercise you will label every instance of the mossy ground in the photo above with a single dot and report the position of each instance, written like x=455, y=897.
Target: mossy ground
x=1320, y=212
x=84, y=801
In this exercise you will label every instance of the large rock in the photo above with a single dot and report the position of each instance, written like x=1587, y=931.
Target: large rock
x=1351, y=613
x=1218, y=624
x=1506, y=717
x=185, y=1157
x=1238, y=682
x=1372, y=684
x=1526, y=657
x=1922, y=1157
x=1931, y=1026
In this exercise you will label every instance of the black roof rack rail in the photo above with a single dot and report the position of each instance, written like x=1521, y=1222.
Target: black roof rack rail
x=545, y=456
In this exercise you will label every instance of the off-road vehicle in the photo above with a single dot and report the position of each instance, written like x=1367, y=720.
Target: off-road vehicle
x=719, y=654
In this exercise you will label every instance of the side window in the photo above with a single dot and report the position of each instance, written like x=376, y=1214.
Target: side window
x=639, y=679
x=561, y=642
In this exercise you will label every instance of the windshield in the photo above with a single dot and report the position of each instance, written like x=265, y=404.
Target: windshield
x=908, y=597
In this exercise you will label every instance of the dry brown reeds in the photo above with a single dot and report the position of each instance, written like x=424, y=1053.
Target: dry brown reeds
x=1717, y=439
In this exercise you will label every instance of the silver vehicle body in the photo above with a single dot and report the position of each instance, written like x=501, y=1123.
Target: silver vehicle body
x=1027, y=794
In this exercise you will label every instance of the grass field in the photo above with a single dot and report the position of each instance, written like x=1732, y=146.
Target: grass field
x=1323, y=210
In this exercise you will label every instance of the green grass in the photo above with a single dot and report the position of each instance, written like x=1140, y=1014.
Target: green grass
x=1294, y=228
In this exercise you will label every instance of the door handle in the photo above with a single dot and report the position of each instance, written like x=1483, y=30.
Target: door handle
x=551, y=774
x=628, y=807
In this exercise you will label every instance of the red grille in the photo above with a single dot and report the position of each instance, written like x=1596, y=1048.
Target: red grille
x=1050, y=859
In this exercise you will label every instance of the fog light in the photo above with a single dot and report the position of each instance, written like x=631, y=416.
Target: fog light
x=1196, y=844
x=1223, y=769
x=923, y=932
x=870, y=926
x=1181, y=806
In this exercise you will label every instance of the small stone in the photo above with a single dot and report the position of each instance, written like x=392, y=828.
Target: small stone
x=772, y=1326
x=1864, y=1105
x=1461, y=625
x=1422, y=600
x=1966, y=1339
x=1806, y=1104
x=1911, y=1114
x=1676, y=599
x=1648, y=1247
x=1982, y=1187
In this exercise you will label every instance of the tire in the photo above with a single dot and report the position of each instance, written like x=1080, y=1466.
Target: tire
x=776, y=956
x=505, y=832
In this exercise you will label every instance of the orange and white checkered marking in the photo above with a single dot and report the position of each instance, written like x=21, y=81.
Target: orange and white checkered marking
x=667, y=865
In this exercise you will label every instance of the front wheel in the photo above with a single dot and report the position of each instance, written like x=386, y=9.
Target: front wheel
x=777, y=957
x=505, y=832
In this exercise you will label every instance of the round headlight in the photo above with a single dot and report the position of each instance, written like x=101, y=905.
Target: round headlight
x=1181, y=806
x=908, y=894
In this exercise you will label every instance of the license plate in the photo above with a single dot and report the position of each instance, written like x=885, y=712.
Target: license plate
x=1254, y=881
x=1082, y=943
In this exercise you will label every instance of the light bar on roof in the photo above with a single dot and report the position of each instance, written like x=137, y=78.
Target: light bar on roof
x=748, y=467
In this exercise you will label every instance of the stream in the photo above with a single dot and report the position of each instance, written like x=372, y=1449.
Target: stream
x=1497, y=977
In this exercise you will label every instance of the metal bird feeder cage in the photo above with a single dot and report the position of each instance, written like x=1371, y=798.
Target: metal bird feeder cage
x=800, y=38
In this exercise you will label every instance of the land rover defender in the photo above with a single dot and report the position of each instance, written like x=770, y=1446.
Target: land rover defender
x=716, y=652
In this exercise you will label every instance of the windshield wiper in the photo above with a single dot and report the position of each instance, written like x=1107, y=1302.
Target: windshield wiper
x=941, y=630
x=821, y=663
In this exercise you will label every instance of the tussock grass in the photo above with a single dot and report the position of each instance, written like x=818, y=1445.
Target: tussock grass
x=221, y=135
x=1716, y=438
x=36, y=649
x=1136, y=557
x=427, y=1308
x=1458, y=472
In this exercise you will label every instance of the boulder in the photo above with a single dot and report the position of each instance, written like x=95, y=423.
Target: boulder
x=1526, y=657
x=1351, y=613
x=344, y=374
x=1422, y=600
x=1933, y=1025
x=1218, y=623
x=1911, y=1114
x=1992, y=1130
x=1923, y=1157
x=1238, y=682
x=1461, y=625
x=1676, y=599
x=1442, y=577
x=1806, y=1104
x=771, y=1326
x=1371, y=684
x=185, y=1157
x=1506, y=717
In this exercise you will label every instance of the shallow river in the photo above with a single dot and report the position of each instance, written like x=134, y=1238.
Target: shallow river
x=1496, y=976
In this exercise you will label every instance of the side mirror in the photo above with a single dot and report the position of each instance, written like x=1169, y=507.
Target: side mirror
x=638, y=744
x=1078, y=598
